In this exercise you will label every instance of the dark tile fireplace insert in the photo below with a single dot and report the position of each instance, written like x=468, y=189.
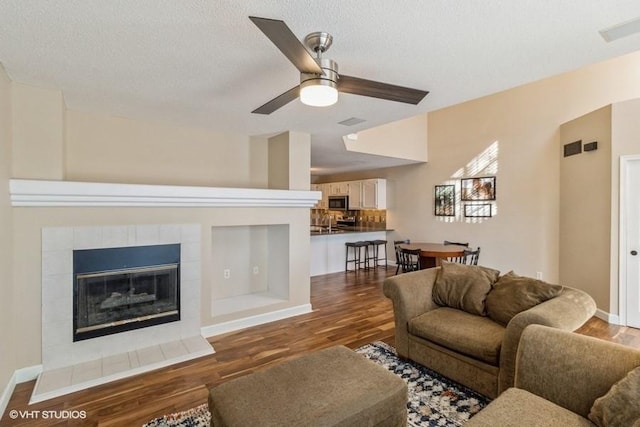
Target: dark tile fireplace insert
x=121, y=289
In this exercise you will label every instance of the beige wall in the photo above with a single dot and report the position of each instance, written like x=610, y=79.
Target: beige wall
x=102, y=148
x=289, y=161
x=585, y=207
x=299, y=161
x=8, y=344
x=279, y=161
x=38, y=132
x=403, y=139
x=258, y=168
x=525, y=122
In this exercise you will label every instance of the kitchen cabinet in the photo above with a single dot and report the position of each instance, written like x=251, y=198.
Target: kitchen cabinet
x=374, y=194
x=338, y=188
x=355, y=195
x=368, y=194
x=363, y=194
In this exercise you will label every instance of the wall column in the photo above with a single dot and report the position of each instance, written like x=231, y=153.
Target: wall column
x=290, y=161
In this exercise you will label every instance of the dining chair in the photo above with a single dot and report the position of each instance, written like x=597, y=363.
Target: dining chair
x=471, y=257
x=396, y=244
x=468, y=256
x=409, y=260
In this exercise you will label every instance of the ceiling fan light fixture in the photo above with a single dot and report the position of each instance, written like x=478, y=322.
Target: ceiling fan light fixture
x=318, y=93
x=320, y=90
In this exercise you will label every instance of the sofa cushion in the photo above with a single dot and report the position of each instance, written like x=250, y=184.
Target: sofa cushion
x=619, y=407
x=516, y=408
x=464, y=287
x=512, y=294
x=472, y=335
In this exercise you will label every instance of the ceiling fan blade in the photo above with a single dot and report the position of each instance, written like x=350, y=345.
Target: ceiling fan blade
x=280, y=35
x=358, y=86
x=278, y=101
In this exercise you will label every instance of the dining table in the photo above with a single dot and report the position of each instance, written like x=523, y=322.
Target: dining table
x=432, y=253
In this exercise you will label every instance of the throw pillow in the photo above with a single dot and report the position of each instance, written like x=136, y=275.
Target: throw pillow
x=512, y=294
x=464, y=287
x=619, y=407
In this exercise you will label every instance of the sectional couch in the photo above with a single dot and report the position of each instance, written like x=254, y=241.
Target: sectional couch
x=566, y=379
x=465, y=322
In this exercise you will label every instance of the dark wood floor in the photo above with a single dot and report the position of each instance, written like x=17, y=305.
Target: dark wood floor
x=349, y=309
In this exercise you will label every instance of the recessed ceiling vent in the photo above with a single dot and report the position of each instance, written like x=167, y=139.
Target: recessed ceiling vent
x=621, y=30
x=351, y=121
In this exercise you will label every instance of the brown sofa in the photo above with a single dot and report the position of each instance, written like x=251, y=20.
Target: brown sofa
x=472, y=349
x=565, y=379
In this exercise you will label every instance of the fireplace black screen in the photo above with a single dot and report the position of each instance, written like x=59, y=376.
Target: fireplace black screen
x=120, y=289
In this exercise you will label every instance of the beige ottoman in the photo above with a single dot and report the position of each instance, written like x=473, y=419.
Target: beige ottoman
x=330, y=387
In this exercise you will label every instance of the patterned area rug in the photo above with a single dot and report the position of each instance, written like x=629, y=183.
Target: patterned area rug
x=433, y=399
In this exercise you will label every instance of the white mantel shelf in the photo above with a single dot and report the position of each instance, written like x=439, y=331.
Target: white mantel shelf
x=42, y=193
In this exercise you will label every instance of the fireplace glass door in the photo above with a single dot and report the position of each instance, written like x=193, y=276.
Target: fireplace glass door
x=121, y=299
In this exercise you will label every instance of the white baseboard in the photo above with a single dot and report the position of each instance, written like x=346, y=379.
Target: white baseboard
x=27, y=374
x=614, y=319
x=19, y=376
x=6, y=394
x=234, y=325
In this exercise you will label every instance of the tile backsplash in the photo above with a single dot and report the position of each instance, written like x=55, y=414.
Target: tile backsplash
x=374, y=218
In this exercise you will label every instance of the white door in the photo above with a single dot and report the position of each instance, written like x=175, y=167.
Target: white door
x=630, y=248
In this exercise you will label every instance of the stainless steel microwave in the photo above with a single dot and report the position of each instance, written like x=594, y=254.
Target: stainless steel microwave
x=339, y=203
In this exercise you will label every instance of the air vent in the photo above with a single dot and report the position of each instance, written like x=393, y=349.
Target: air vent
x=621, y=30
x=352, y=121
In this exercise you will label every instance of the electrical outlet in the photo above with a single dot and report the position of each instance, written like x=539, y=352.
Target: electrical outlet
x=539, y=275
x=256, y=270
x=226, y=273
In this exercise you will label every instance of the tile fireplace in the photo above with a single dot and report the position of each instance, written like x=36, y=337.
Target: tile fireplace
x=128, y=276
x=117, y=301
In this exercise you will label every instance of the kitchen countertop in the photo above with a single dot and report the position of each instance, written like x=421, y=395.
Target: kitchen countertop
x=317, y=230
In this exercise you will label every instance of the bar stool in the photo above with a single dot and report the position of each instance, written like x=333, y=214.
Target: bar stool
x=377, y=257
x=357, y=259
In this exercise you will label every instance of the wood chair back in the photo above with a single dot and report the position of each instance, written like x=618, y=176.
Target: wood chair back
x=471, y=257
x=409, y=260
x=396, y=244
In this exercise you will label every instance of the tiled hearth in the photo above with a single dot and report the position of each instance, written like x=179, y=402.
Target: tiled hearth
x=68, y=379
x=70, y=366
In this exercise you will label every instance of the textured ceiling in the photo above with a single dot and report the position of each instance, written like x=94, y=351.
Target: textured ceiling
x=204, y=63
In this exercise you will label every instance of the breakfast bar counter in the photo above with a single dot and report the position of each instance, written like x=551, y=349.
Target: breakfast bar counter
x=328, y=248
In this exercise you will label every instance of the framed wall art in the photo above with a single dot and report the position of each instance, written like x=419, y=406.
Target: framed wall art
x=483, y=188
x=481, y=210
x=445, y=200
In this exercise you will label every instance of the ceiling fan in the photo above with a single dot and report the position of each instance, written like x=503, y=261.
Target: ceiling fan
x=319, y=78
